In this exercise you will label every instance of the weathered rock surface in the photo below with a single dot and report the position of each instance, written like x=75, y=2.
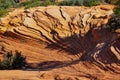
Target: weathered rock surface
x=64, y=43
x=55, y=22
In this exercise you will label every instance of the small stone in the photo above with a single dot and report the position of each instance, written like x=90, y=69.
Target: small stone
x=27, y=11
x=29, y=15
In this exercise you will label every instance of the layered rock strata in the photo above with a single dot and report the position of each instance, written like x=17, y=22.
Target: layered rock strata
x=42, y=33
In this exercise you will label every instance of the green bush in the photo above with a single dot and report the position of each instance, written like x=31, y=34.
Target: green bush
x=117, y=10
x=80, y=2
x=112, y=1
x=35, y=3
x=7, y=62
x=48, y=2
x=114, y=23
x=5, y=5
x=3, y=11
x=18, y=60
x=71, y=3
x=30, y=3
x=92, y=2
x=12, y=62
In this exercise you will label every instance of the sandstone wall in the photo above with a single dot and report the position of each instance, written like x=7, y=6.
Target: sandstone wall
x=49, y=24
x=76, y=30
x=80, y=31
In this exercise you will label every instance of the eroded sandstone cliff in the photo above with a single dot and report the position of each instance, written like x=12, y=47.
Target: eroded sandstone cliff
x=73, y=39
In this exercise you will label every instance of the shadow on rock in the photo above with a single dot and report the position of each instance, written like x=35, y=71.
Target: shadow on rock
x=74, y=44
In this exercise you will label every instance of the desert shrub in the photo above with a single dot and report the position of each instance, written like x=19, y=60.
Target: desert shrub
x=92, y=2
x=3, y=12
x=30, y=3
x=5, y=5
x=118, y=3
x=35, y=3
x=7, y=62
x=71, y=3
x=111, y=1
x=11, y=61
x=49, y=2
x=18, y=60
x=80, y=2
x=117, y=10
x=114, y=23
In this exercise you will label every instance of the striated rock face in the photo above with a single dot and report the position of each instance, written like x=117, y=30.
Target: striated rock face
x=53, y=23
x=46, y=34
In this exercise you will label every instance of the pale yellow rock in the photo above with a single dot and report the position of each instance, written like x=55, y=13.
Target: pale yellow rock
x=85, y=18
x=116, y=53
x=2, y=29
x=54, y=12
x=106, y=7
x=4, y=21
x=97, y=15
x=54, y=22
x=118, y=31
x=65, y=15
